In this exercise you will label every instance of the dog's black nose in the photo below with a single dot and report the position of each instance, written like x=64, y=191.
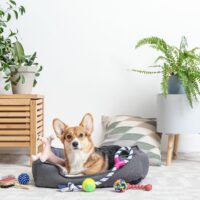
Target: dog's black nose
x=74, y=144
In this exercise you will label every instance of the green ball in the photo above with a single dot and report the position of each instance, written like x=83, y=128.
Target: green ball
x=89, y=185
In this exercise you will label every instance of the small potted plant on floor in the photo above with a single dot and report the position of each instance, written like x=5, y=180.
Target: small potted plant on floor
x=179, y=67
x=19, y=70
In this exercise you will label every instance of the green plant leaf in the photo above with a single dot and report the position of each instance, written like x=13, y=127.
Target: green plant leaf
x=165, y=78
x=8, y=17
x=183, y=44
x=23, y=79
x=16, y=14
x=154, y=66
x=32, y=59
x=40, y=69
x=14, y=83
x=3, y=24
x=13, y=2
x=162, y=58
x=34, y=83
x=146, y=72
x=8, y=80
x=18, y=52
x=22, y=10
x=2, y=13
x=18, y=79
x=11, y=34
x=7, y=87
x=1, y=29
x=37, y=74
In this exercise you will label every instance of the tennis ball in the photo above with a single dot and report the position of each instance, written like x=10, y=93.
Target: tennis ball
x=89, y=185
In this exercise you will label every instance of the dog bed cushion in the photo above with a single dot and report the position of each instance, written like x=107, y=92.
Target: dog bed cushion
x=126, y=130
x=49, y=175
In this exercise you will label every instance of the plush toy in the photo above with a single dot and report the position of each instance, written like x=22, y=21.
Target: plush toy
x=47, y=154
x=23, y=178
x=120, y=185
x=89, y=185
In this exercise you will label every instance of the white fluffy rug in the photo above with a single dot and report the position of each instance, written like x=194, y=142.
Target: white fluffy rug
x=180, y=181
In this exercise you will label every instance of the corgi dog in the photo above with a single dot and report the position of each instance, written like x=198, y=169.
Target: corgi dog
x=81, y=156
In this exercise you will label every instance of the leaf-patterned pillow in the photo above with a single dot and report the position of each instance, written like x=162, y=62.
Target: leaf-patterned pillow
x=125, y=130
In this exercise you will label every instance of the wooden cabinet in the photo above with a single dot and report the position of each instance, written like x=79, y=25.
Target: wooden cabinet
x=21, y=121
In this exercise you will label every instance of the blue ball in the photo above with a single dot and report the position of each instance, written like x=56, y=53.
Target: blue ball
x=23, y=178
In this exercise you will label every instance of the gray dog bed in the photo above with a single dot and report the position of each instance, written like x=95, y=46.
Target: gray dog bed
x=49, y=175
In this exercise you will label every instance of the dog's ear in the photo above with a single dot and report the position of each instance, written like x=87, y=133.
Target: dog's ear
x=59, y=127
x=87, y=122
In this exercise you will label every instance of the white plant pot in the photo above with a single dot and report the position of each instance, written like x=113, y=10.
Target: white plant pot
x=29, y=74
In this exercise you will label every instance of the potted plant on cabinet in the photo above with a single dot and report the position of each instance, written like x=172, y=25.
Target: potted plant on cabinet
x=19, y=70
x=178, y=65
x=23, y=70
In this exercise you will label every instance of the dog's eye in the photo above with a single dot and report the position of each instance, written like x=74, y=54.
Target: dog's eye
x=68, y=137
x=81, y=135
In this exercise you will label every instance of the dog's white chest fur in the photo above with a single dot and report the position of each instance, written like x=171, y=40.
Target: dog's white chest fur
x=76, y=160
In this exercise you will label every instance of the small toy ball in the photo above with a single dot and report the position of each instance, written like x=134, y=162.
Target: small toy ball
x=89, y=185
x=120, y=185
x=23, y=178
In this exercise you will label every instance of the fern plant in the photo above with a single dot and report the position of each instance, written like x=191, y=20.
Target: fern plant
x=179, y=61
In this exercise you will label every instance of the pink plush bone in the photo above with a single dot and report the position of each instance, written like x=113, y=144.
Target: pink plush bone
x=119, y=163
x=47, y=154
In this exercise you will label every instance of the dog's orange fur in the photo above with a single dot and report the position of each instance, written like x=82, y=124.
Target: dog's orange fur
x=95, y=163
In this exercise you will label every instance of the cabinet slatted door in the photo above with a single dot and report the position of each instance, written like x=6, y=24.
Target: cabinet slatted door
x=21, y=121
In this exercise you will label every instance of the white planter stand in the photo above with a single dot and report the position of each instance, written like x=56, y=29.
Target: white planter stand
x=175, y=116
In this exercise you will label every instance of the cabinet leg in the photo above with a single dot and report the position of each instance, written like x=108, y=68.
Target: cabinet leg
x=33, y=127
x=176, y=139
x=170, y=149
x=40, y=148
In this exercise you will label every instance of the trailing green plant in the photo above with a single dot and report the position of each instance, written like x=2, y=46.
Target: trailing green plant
x=11, y=50
x=179, y=61
x=8, y=10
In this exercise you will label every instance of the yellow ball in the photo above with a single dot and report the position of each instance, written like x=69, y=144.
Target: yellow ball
x=89, y=185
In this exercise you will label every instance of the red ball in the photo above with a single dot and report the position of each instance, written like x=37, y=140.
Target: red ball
x=148, y=187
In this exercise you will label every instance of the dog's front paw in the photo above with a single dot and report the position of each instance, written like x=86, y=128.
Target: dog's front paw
x=65, y=172
x=63, y=169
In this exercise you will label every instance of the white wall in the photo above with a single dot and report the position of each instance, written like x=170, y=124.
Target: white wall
x=86, y=47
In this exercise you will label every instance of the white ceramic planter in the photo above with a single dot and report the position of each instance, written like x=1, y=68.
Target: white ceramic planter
x=175, y=115
x=29, y=74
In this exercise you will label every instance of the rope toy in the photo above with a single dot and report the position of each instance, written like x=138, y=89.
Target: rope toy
x=70, y=187
x=23, y=179
x=120, y=185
